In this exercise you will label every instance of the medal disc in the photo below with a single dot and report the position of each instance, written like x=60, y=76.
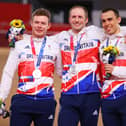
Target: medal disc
x=36, y=73
x=73, y=69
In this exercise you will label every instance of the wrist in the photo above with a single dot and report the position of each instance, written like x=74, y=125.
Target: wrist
x=1, y=101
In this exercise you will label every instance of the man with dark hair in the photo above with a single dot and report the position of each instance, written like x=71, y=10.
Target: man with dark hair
x=36, y=57
x=116, y=12
x=114, y=86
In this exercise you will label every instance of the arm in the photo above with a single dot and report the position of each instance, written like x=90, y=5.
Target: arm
x=119, y=72
x=8, y=72
x=58, y=64
x=109, y=68
x=58, y=61
x=95, y=32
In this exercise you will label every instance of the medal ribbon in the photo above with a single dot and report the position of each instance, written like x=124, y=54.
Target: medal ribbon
x=107, y=42
x=77, y=47
x=40, y=52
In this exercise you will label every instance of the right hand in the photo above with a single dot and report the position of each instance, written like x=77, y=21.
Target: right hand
x=2, y=108
x=3, y=112
x=109, y=68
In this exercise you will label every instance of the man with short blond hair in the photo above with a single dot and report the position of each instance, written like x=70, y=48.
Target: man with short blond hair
x=35, y=57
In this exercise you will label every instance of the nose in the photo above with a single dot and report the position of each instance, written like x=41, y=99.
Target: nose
x=106, y=22
x=76, y=19
x=39, y=25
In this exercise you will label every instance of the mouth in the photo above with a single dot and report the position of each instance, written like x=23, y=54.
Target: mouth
x=108, y=29
x=39, y=31
x=76, y=25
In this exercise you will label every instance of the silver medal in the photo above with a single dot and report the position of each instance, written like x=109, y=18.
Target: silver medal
x=73, y=70
x=36, y=73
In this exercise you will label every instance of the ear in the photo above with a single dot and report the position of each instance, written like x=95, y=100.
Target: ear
x=119, y=20
x=49, y=25
x=86, y=21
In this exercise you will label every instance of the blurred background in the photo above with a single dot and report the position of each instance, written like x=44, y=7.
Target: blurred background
x=10, y=9
x=22, y=9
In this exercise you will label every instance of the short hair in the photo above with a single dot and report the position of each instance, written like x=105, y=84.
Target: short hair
x=42, y=12
x=82, y=7
x=115, y=11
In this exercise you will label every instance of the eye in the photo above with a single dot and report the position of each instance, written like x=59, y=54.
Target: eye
x=80, y=17
x=109, y=19
x=103, y=21
x=73, y=16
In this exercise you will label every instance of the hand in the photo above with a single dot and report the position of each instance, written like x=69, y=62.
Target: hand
x=1, y=101
x=2, y=108
x=3, y=112
x=109, y=68
x=17, y=37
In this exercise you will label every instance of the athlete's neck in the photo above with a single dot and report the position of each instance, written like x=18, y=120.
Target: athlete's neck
x=37, y=39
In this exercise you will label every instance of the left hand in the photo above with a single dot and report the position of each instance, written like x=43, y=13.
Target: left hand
x=108, y=68
x=19, y=37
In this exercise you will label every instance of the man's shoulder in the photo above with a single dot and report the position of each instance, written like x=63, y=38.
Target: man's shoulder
x=94, y=28
x=123, y=30
x=26, y=36
x=94, y=32
x=62, y=33
x=57, y=38
x=22, y=43
x=89, y=27
x=51, y=40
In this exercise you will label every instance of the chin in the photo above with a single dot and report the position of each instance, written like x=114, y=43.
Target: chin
x=40, y=35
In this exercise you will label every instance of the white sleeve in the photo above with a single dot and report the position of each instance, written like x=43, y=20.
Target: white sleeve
x=119, y=72
x=123, y=30
x=95, y=32
x=8, y=72
x=26, y=36
x=58, y=64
